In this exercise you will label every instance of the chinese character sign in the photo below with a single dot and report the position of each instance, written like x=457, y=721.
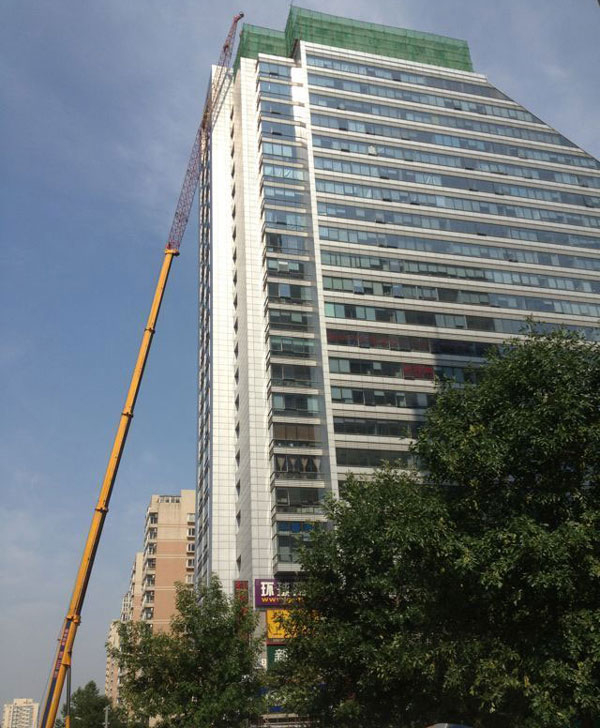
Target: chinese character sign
x=270, y=593
x=275, y=653
x=240, y=589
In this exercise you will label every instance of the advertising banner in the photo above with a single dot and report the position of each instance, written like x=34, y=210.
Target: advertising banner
x=275, y=630
x=271, y=593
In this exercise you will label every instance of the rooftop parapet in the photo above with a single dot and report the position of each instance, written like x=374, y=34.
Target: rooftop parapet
x=357, y=35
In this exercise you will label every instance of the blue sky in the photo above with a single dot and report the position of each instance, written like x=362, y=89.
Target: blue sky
x=100, y=103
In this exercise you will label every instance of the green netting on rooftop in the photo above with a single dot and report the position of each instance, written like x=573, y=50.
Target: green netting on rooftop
x=383, y=40
x=255, y=40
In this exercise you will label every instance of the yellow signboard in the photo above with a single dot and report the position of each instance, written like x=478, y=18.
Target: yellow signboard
x=275, y=630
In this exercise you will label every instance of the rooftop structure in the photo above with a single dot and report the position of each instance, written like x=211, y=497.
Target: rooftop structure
x=330, y=30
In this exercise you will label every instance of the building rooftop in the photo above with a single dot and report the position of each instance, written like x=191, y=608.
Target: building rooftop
x=357, y=35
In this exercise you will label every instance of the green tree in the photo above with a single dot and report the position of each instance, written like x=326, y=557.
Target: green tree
x=203, y=673
x=87, y=710
x=472, y=597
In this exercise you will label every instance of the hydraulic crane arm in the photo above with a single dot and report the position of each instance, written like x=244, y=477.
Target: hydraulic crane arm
x=71, y=622
x=62, y=659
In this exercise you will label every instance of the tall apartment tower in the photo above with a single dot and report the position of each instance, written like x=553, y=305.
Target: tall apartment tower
x=374, y=213
x=21, y=713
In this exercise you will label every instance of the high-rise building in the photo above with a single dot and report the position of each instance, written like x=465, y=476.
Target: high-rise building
x=374, y=213
x=167, y=558
x=21, y=713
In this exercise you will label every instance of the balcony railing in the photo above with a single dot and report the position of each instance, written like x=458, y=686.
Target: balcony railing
x=294, y=412
x=295, y=475
x=276, y=442
x=313, y=508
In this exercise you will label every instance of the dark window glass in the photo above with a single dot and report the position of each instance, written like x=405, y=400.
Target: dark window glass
x=355, y=457
x=453, y=160
x=446, y=140
x=406, y=219
x=404, y=76
x=410, y=242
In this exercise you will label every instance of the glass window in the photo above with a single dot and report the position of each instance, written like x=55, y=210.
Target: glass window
x=280, y=242
x=410, y=242
x=453, y=225
x=451, y=181
x=426, y=117
x=456, y=203
x=452, y=160
x=274, y=108
x=442, y=139
x=272, y=88
x=405, y=76
x=354, y=457
x=401, y=94
x=268, y=68
x=274, y=128
x=289, y=175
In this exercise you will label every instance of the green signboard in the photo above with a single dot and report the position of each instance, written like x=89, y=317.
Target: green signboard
x=275, y=653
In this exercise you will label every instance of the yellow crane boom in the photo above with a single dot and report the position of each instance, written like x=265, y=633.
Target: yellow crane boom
x=62, y=660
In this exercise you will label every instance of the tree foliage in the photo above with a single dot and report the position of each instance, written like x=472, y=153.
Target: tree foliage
x=203, y=673
x=473, y=597
x=87, y=709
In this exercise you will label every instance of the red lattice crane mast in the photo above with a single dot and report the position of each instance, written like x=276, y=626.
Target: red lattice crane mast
x=192, y=175
x=62, y=660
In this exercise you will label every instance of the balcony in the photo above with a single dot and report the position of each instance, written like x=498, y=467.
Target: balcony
x=314, y=509
x=295, y=475
x=294, y=382
x=282, y=566
x=147, y=613
x=294, y=435
x=276, y=442
x=297, y=467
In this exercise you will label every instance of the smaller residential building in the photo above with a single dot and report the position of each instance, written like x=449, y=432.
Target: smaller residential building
x=168, y=557
x=21, y=713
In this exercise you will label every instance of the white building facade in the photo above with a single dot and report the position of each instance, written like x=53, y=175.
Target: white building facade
x=374, y=215
x=21, y=713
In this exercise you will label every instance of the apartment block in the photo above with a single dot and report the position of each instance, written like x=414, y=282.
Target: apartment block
x=21, y=713
x=375, y=214
x=167, y=558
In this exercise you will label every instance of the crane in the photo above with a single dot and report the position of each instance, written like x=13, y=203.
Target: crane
x=62, y=660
